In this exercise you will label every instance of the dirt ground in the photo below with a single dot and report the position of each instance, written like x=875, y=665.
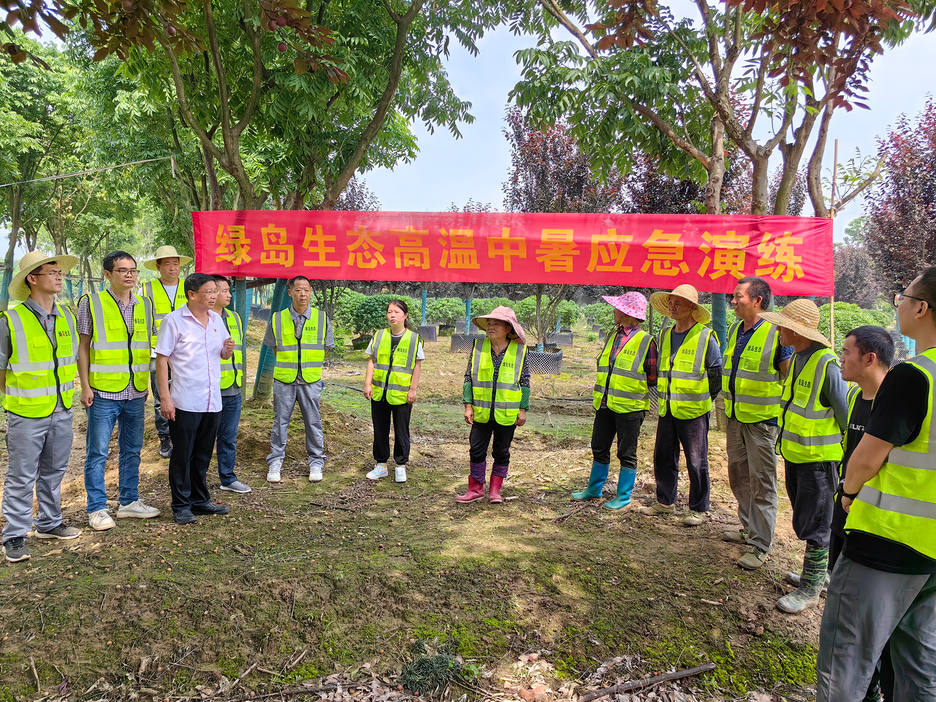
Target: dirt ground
x=303, y=580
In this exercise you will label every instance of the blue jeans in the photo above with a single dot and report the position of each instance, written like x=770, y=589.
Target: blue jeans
x=227, y=437
x=130, y=417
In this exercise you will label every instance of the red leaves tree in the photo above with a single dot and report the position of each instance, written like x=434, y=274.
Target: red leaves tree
x=901, y=211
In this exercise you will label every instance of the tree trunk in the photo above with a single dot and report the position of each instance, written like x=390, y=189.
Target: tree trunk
x=716, y=171
x=540, y=335
x=814, y=167
x=760, y=187
x=16, y=201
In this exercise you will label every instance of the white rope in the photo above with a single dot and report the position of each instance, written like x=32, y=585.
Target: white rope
x=93, y=170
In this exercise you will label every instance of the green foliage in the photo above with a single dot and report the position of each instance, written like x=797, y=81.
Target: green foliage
x=432, y=672
x=848, y=317
x=601, y=312
x=568, y=313
x=485, y=305
x=370, y=312
x=445, y=310
x=591, y=336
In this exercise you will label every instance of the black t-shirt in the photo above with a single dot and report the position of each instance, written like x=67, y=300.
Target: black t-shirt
x=857, y=421
x=897, y=415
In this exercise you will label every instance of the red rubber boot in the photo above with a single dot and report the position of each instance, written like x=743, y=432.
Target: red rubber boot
x=475, y=491
x=494, y=492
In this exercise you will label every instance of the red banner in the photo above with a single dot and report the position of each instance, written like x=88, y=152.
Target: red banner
x=654, y=251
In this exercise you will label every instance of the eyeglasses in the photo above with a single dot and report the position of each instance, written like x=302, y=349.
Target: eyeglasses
x=899, y=297
x=126, y=271
x=51, y=274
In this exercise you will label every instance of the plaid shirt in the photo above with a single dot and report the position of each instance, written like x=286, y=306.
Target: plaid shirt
x=86, y=326
x=650, y=364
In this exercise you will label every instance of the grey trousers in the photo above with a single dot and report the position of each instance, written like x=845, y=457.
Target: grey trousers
x=162, y=424
x=38, y=450
x=285, y=397
x=866, y=608
x=752, y=475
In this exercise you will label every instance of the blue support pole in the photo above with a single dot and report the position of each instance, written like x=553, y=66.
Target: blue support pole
x=239, y=300
x=558, y=325
x=68, y=288
x=101, y=286
x=468, y=315
x=424, y=295
x=80, y=288
x=720, y=319
x=5, y=290
x=263, y=384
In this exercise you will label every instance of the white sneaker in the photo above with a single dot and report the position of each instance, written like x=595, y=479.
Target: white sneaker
x=273, y=473
x=101, y=520
x=399, y=474
x=315, y=474
x=380, y=471
x=237, y=486
x=137, y=510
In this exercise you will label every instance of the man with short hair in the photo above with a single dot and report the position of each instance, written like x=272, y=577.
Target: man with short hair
x=166, y=294
x=300, y=336
x=194, y=340
x=814, y=413
x=115, y=330
x=883, y=587
x=688, y=381
x=38, y=352
x=232, y=380
x=755, y=364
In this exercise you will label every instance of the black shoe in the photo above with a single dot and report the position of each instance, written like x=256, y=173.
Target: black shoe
x=184, y=516
x=16, y=550
x=165, y=446
x=210, y=508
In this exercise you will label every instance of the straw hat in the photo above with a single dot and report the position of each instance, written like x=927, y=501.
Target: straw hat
x=504, y=314
x=19, y=290
x=660, y=302
x=800, y=316
x=632, y=303
x=166, y=252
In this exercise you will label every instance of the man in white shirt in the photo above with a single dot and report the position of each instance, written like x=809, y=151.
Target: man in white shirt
x=194, y=340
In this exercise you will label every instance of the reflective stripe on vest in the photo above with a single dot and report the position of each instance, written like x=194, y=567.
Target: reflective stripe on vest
x=684, y=390
x=399, y=368
x=627, y=387
x=506, y=397
x=307, y=353
x=156, y=293
x=37, y=374
x=232, y=370
x=899, y=503
x=116, y=355
x=809, y=432
x=758, y=385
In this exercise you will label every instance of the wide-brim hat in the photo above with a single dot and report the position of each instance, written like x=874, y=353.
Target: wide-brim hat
x=660, y=302
x=166, y=252
x=504, y=314
x=19, y=290
x=800, y=316
x=632, y=303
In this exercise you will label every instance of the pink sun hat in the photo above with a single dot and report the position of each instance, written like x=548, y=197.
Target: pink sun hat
x=631, y=303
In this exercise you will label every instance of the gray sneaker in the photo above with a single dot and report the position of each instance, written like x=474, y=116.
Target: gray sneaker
x=62, y=531
x=237, y=486
x=137, y=510
x=16, y=549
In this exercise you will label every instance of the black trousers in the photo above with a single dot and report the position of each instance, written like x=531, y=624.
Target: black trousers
x=480, y=437
x=625, y=426
x=692, y=435
x=193, y=437
x=811, y=489
x=380, y=413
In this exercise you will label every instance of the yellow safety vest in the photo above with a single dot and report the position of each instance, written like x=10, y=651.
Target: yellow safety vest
x=627, y=389
x=809, y=432
x=117, y=356
x=683, y=385
x=758, y=385
x=37, y=374
x=899, y=503
x=399, y=368
x=155, y=292
x=306, y=353
x=506, y=397
x=232, y=371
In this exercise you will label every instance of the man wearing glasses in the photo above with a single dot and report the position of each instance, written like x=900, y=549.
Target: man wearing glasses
x=115, y=329
x=884, y=584
x=38, y=347
x=166, y=294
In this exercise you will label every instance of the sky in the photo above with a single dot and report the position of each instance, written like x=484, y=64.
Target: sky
x=449, y=170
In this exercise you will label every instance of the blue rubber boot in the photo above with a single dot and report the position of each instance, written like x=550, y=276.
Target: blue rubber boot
x=626, y=479
x=599, y=473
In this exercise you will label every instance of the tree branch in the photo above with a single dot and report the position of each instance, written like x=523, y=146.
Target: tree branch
x=257, y=74
x=553, y=9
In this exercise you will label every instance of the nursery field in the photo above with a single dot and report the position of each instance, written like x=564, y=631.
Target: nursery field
x=358, y=581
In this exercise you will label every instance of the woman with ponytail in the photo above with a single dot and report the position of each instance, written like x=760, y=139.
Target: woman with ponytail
x=396, y=356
